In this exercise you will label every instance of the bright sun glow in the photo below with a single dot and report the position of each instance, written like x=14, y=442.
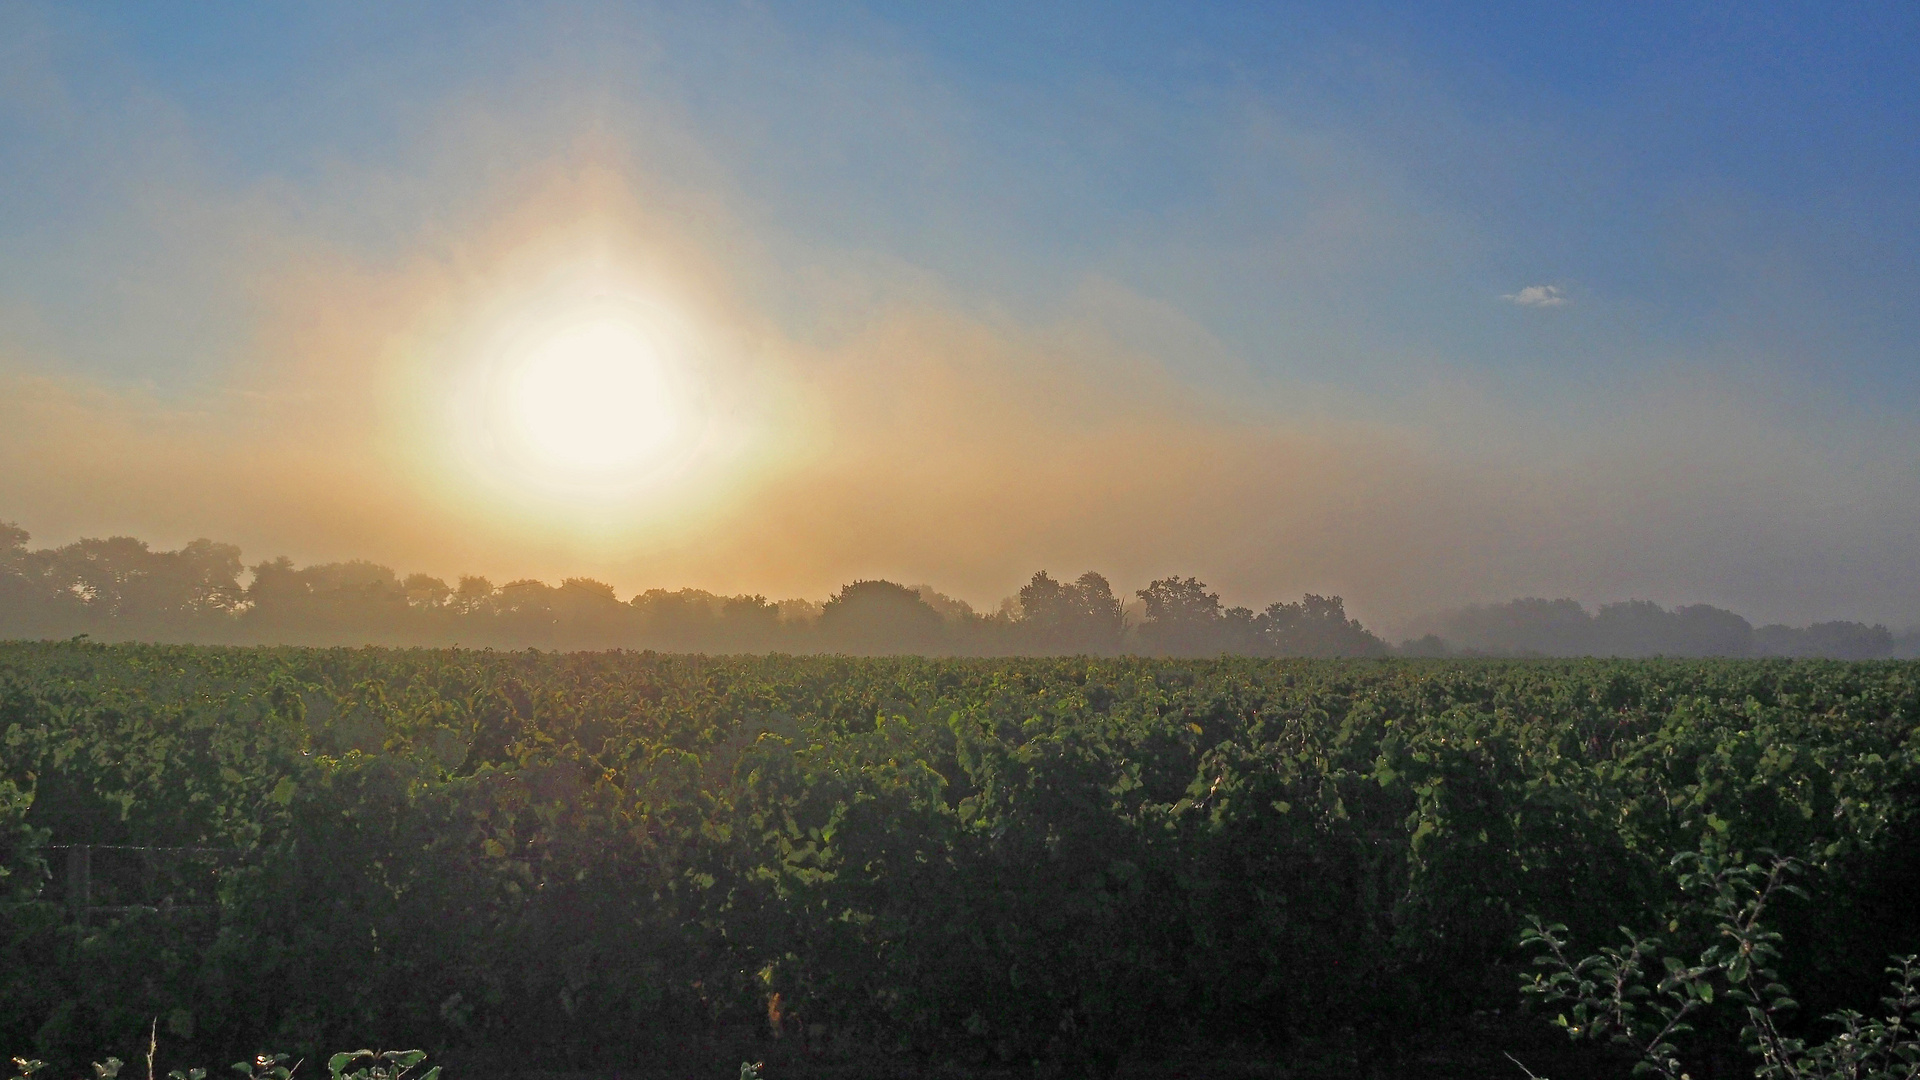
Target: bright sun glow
x=597, y=402
x=593, y=399
x=583, y=398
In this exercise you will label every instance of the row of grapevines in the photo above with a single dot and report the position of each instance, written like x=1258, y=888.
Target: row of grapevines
x=597, y=857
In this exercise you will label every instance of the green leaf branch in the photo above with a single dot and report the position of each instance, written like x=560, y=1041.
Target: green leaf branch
x=1643, y=1002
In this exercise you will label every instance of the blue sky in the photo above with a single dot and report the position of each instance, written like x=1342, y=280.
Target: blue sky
x=1323, y=213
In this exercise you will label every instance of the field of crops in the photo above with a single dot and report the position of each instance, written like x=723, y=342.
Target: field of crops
x=605, y=860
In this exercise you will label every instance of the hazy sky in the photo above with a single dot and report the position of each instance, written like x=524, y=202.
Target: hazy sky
x=1418, y=304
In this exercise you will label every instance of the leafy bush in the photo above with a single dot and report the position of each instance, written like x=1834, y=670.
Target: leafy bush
x=1621, y=997
x=372, y=1065
x=598, y=858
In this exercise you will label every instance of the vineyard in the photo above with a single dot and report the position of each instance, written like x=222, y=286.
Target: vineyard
x=605, y=860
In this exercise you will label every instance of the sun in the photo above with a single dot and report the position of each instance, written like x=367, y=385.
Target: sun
x=593, y=402
x=594, y=399
x=580, y=398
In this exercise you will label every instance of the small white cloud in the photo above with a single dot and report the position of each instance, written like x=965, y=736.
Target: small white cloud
x=1537, y=296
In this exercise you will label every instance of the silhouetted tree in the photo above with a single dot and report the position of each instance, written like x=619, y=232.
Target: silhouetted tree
x=425, y=592
x=1316, y=626
x=750, y=623
x=1081, y=616
x=1705, y=630
x=1840, y=640
x=328, y=603
x=1182, y=617
x=473, y=596
x=1642, y=628
x=870, y=617
x=686, y=619
x=30, y=605
x=1528, y=626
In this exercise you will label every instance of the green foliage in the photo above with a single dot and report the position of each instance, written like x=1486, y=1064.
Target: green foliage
x=371, y=1065
x=26, y=1068
x=590, y=859
x=381, y=1065
x=275, y=1067
x=1622, y=997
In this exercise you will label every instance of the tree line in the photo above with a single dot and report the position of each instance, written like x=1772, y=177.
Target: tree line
x=120, y=589
x=1537, y=627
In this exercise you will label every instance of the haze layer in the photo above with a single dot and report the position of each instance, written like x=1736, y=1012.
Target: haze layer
x=768, y=298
